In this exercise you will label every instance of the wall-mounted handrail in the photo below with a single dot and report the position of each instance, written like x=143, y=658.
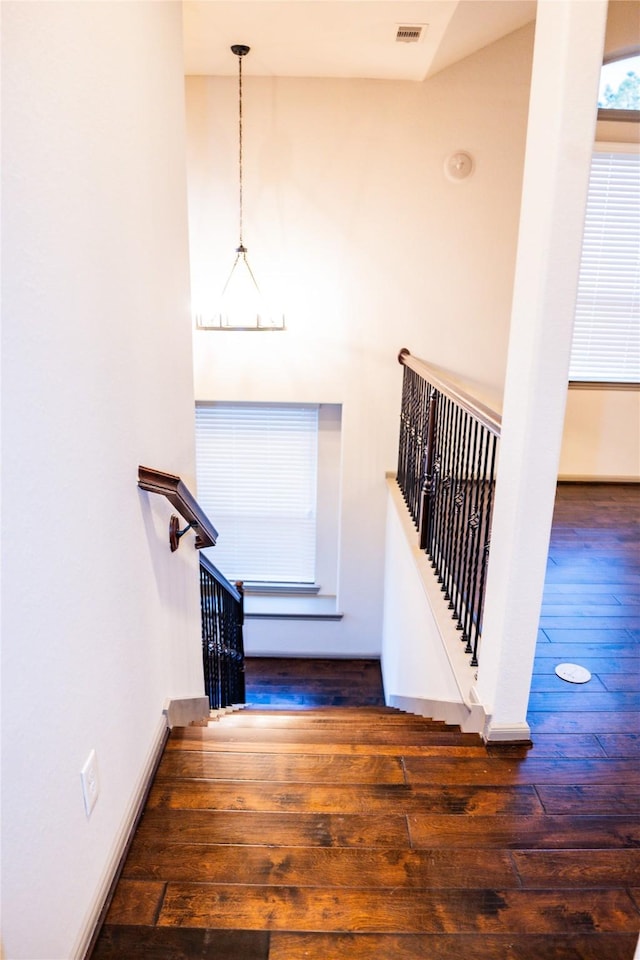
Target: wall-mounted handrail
x=179, y=496
x=483, y=414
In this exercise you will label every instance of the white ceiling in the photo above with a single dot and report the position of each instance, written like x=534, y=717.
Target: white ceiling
x=342, y=38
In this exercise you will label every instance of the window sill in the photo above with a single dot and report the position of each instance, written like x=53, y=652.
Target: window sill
x=603, y=385
x=256, y=588
x=261, y=607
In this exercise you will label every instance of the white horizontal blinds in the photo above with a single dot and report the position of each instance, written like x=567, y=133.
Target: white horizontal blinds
x=257, y=474
x=606, y=337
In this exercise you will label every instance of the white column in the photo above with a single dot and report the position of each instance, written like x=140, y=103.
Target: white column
x=569, y=42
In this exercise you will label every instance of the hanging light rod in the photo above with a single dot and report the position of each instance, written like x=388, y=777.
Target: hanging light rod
x=240, y=50
x=242, y=306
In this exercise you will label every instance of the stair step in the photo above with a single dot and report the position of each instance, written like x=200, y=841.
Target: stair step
x=384, y=730
x=339, y=799
x=293, y=768
x=328, y=711
x=331, y=726
x=321, y=866
x=389, y=743
x=452, y=744
x=331, y=716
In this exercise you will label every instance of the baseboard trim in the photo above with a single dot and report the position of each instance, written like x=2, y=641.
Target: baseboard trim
x=602, y=478
x=91, y=928
x=471, y=718
x=180, y=713
x=506, y=732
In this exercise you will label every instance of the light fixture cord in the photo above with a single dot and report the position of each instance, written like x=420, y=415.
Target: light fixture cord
x=240, y=142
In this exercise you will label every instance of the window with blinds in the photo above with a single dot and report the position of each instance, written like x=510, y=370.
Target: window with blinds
x=257, y=466
x=606, y=336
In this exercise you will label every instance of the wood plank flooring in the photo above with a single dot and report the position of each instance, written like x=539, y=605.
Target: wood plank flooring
x=318, y=824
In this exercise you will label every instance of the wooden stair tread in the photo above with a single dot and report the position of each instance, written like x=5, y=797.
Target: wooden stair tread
x=395, y=910
x=251, y=713
x=292, y=768
x=371, y=867
x=337, y=799
x=447, y=744
x=440, y=946
x=360, y=738
x=251, y=827
x=321, y=866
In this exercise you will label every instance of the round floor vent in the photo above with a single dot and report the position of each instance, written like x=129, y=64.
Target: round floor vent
x=573, y=673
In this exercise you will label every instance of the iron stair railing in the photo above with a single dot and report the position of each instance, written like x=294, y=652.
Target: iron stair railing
x=447, y=461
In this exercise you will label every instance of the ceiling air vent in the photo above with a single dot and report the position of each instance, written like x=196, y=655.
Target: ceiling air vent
x=409, y=33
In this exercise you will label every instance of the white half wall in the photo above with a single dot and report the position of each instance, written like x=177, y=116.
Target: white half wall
x=422, y=657
x=100, y=622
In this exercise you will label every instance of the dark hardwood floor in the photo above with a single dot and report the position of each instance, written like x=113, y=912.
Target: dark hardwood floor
x=300, y=684
x=318, y=824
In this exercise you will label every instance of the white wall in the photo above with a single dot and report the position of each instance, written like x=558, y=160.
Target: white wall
x=419, y=634
x=349, y=214
x=100, y=621
x=601, y=435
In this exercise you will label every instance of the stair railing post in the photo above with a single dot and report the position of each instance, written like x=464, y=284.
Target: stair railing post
x=426, y=502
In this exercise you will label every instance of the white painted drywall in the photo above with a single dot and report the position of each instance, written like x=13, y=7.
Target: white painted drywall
x=414, y=636
x=348, y=213
x=100, y=623
x=601, y=435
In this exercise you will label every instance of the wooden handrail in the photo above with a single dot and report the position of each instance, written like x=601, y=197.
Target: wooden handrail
x=172, y=487
x=483, y=414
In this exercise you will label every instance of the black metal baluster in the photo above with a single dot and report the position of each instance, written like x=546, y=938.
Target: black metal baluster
x=205, y=626
x=217, y=624
x=222, y=645
x=462, y=502
x=486, y=541
x=408, y=452
x=417, y=447
x=404, y=433
x=479, y=524
x=439, y=473
x=439, y=526
x=427, y=495
x=471, y=528
x=411, y=466
x=458, y=513
x=449, y=483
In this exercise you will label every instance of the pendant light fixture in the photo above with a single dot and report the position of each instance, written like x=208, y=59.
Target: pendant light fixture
x=242, y=306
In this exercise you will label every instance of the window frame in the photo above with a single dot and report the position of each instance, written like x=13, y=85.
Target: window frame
x=329, y=456
x=603, y=147
x=611, y=113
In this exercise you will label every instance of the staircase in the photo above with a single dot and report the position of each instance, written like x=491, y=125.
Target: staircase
x=361, y=832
